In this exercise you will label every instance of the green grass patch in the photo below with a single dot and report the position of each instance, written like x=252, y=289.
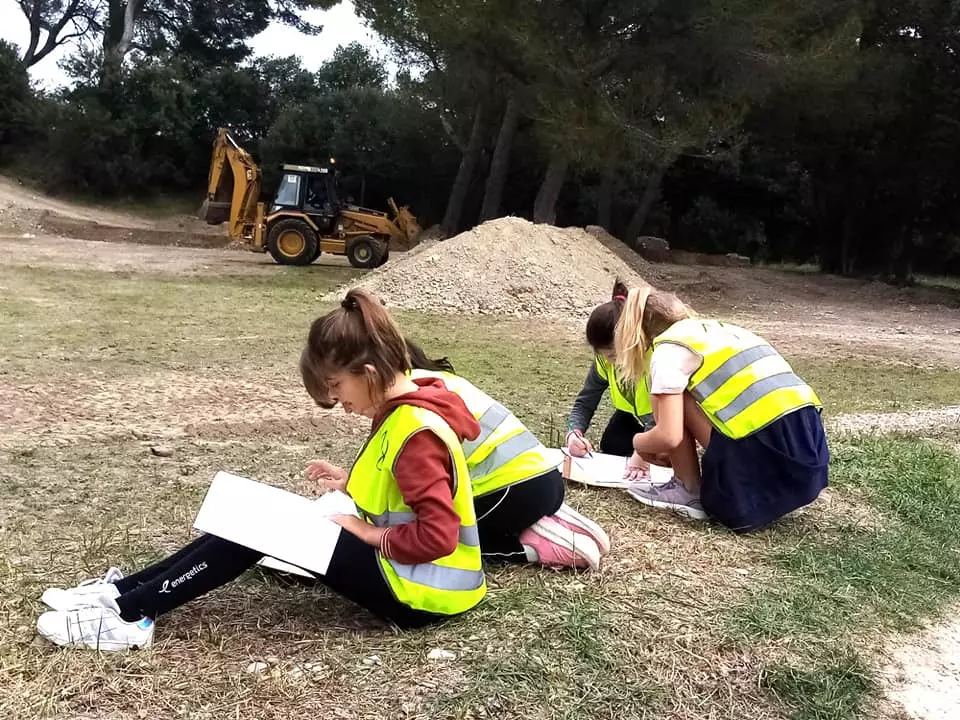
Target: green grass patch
x=570, y=662
x=852, y=385
x=833, y=690
x=833, y=588
x=160, y=207
x=858, y=578
x=943, y=282
x=52, y=319
x=684, y=620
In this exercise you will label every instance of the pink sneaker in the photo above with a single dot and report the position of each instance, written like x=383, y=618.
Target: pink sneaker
x=557, y=546
x=572, y=520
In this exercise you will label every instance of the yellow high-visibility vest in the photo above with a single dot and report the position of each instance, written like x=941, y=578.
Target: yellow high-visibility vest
x=632, y=399
x=743, y=384
x=506, y=452
x=448, y=585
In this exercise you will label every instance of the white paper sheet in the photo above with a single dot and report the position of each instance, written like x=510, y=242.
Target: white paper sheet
x=278, y=523
x=331, y=503
x=607, y=471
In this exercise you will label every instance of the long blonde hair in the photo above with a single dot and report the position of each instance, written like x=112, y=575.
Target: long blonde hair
x=646, y=313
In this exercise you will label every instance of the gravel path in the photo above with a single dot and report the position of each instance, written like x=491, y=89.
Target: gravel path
x=915, y=421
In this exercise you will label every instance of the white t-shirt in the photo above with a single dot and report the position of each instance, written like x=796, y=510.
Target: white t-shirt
x=671, y=366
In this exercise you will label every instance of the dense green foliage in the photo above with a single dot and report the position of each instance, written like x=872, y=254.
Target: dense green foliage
x=794, y=131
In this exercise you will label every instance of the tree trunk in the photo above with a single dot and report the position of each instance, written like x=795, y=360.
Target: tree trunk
x=118, y=36
x=650, y=193
x=461, y=184
x=827, y=255
x=847, y=241
x=34, y=18
x=900, y=264
x=545, y=206
x=605, y=199
x=500, y=164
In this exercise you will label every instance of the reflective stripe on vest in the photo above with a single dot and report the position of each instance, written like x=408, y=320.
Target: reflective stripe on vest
x=743, y=384
x=489, y=422
x=447, y=585
x=469, y=535
x=640, y=406
x=712, y=382
x=505, y=452
x=440, y=577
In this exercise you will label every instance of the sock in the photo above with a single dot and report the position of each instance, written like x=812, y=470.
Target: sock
x=129, y=612
x=125, y=585
x=690, y=487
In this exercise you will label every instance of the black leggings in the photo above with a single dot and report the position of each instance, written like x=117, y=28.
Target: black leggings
x=617, y=438
x=504, y=514
x=210, y=562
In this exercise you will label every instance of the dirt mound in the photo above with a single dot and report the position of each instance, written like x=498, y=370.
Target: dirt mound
x=623, y=251
x=432, y=233
x=506, y=267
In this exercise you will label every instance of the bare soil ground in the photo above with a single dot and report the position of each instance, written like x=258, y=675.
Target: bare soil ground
x=801, y=313
x=107, y=348
x=24, y=211
x=922, y=673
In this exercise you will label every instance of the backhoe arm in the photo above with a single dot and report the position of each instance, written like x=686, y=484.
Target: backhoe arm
x=233, y=188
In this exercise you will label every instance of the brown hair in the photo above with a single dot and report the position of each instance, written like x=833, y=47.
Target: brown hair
x=314, y=383
x=358, y=333
x=603, y=320
x=646, y=313
x=420, y=360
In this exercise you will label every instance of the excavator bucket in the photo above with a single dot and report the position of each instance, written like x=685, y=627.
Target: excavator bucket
x=214, y=213
x=407, y=222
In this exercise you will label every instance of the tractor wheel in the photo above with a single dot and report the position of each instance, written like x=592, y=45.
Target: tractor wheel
x=316, y=253
x=386, y=256
x=292, y=242
x=366, y=252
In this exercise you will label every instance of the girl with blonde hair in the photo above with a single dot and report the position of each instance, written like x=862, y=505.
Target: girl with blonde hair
x=718, y=385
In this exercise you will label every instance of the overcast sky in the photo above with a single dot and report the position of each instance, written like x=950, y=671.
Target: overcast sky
x=340, y=26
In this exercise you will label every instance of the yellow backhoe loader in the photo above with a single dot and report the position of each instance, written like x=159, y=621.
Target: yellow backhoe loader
x=306, y=217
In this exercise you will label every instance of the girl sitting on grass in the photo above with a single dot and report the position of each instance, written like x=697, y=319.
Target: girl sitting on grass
x=632, y=409
x=517, y=488
x=722, y=387
x=415, y=557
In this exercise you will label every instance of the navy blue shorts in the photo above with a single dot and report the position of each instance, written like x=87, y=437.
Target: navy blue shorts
x=752, y=482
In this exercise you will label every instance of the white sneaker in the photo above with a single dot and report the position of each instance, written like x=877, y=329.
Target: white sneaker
x=85, y=594
x=577, y=522
x=96, y=627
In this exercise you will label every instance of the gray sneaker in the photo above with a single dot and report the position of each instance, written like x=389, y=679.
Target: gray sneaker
x=670, y=496
x=650, y=482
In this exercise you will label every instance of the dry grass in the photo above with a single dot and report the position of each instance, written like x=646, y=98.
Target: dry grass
x=95, y=368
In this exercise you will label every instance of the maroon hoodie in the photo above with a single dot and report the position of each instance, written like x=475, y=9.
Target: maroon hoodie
x=424, y=472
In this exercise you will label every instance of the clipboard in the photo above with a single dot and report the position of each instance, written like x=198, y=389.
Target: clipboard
x=606, y=471
x=283, y=525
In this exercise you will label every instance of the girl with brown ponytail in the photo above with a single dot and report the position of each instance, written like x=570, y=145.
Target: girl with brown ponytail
x=515, y=489
x=632, y=413
x=414, y=557
x=724, y=388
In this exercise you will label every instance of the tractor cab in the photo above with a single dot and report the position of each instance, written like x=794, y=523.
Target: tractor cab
x=310, y=190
